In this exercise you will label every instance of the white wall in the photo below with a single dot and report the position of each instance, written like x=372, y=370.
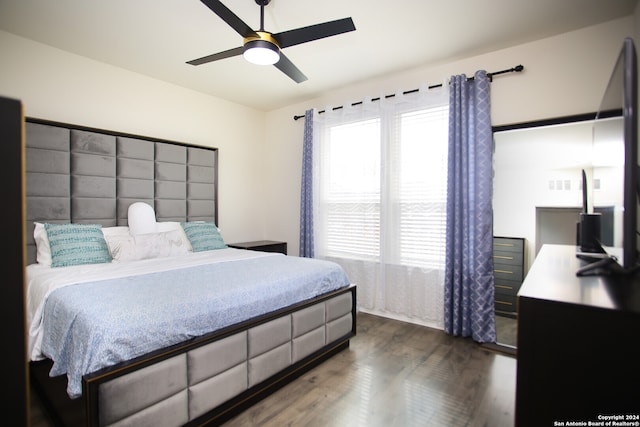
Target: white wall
x=56, y=85
x=564, y=75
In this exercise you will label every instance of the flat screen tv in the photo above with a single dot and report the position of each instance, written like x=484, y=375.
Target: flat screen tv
x=615, y=163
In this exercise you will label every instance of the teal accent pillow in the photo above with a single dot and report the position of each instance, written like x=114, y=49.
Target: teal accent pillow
x=76, y=244
x=203, y=236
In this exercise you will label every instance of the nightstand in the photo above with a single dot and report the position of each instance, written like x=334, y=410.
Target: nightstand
x=262, y=245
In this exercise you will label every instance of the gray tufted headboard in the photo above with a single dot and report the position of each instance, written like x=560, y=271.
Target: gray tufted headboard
x=85, y=175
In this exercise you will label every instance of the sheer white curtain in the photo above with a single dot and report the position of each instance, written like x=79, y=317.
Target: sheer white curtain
x=380, y=198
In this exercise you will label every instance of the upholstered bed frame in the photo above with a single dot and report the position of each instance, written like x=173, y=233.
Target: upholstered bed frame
x=84, y=175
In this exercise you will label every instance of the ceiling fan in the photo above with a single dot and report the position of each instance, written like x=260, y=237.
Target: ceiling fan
x=263, y=47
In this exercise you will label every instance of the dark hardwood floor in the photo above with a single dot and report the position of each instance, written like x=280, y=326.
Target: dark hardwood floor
x=393, y=374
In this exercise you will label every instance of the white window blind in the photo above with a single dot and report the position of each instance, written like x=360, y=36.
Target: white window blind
x=384, y=188
x=419, y=189
x=352, y=201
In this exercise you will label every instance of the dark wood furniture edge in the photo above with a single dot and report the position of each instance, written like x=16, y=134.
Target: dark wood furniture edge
x=12, y=296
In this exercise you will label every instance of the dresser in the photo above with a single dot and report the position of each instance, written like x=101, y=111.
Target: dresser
x=578, y=350
x=508, y=268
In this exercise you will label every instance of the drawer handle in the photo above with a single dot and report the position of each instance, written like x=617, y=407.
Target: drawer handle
x=504, y=271
x=504, y=244
x=503, y=257
x=504, y=287
x=504, y=302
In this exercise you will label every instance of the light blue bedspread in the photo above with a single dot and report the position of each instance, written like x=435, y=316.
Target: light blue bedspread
x=93, y=325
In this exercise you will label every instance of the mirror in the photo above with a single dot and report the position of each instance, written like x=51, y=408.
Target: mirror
x=537, y=190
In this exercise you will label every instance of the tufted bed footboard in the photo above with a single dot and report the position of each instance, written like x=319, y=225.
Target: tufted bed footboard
x=208, y=380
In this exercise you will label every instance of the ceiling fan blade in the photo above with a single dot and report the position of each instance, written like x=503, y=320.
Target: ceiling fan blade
x=229, y=17
x=216, y=56
x=314, y=32
x=287, y=67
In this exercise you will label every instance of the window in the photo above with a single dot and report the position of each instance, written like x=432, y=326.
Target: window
x=379, y=192
x=384, y=188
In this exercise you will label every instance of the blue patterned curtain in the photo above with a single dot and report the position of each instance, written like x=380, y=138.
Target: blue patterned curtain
x=306, y=194
x=469, y=280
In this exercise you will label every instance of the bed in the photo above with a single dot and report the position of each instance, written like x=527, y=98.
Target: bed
x=209, y=329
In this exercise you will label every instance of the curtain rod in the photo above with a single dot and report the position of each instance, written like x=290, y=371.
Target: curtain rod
x=517, y=68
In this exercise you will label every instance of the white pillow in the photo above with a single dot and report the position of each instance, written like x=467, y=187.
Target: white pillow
x=116, y=231
x=146, y=246
x=174, y=225
x=43, y=251
x=141, y=218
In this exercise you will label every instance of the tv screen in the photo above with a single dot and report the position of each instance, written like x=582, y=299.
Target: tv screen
x=615, y=157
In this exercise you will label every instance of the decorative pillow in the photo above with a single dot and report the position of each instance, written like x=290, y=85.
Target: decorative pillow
x=146, y=246
x=43, y=252
x=76, y=244
x=174, y=225
x=141, y=218
x=203, y=236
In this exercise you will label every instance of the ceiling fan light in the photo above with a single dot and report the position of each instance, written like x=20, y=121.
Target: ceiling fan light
x=261, y=52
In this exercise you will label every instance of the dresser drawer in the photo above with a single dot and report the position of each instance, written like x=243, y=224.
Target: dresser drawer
x=507, y=287
x=510, y=258
x=505, y=303
x=508, y=272
x=506, y=244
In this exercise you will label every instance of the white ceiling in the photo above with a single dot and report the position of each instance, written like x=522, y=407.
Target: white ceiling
x=157, y=37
